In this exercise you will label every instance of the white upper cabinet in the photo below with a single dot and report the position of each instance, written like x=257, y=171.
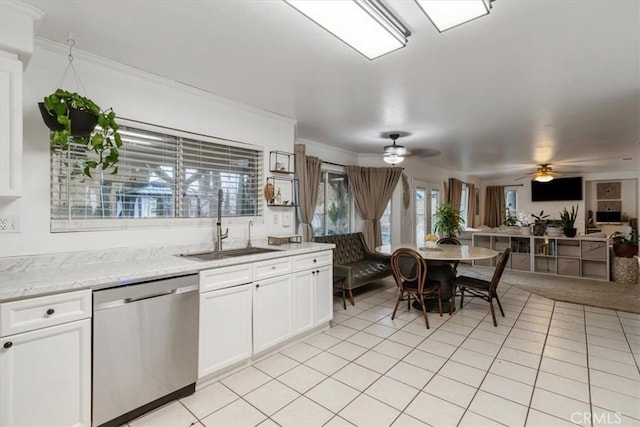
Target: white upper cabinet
x=10, y=127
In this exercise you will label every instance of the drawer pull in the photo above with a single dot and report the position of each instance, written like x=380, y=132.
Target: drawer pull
x=313, y=272
x=315, y=260
x=318, y=271
x=50, y=311
x=8, y=344
x=273, y=267
x=257, y=285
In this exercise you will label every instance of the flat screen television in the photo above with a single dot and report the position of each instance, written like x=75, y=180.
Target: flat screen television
x=557, y=190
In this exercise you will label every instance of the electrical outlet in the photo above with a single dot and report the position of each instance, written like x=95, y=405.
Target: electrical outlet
x=9, y=224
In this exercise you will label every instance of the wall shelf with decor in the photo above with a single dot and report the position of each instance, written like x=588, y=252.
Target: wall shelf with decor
x=560, y=256
x=282, y=162
x=281, y=192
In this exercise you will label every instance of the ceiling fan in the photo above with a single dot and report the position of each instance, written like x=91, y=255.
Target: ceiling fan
x=544, y=173
x=394, y=153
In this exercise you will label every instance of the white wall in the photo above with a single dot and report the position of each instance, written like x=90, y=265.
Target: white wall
x=137, y=95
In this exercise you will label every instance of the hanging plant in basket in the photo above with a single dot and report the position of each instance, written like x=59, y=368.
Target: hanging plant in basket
x=77, y=119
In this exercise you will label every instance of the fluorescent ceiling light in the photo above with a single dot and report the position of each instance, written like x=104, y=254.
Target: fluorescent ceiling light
x=446, y=14
x=365, y=25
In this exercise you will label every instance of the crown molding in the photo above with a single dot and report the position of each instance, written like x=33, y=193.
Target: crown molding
x=62, y=49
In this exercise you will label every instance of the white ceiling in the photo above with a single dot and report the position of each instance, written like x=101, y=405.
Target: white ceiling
x=533, y=82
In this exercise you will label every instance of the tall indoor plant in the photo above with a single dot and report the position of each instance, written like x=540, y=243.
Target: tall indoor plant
x=447, y=221
x=73, y=118
x=568, y=220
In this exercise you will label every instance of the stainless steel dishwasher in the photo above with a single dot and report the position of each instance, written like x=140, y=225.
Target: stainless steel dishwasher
x=145, y=347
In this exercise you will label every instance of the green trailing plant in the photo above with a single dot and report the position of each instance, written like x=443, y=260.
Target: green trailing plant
x=568, y=219
x=447, y=221
x=105, y=140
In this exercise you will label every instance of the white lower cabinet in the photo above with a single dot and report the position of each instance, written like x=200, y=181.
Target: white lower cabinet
x=46, y=376
x=225, y=328
x=303, y=300
x=272, y=312
x=323, y=295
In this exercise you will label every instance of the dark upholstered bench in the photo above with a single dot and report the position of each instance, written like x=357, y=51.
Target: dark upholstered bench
x=352, y=259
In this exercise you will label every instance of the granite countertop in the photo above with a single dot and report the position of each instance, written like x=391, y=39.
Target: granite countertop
x=41, y=275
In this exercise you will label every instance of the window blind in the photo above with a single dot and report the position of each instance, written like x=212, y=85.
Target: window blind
x=160, y=175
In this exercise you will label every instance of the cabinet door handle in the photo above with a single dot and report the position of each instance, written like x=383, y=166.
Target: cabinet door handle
x=257, y=285
x=315, y=261
x=8, y=344
x=318, y=271
x=273, y=267
x=313, y=272
x=50, y=311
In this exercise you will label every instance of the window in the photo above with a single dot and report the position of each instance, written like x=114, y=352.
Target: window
x=385, y=225
x=160, y=175
x=464, y=206
x=511, y=202
x=332, y=214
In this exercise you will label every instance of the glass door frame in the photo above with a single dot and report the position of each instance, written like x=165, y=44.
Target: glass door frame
x=429, y=188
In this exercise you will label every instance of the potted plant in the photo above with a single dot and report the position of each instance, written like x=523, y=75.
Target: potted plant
x=525, y=223
x=540, y=223
x=73, y=118
x=568, y=220
x=447, y=221
x=625, y=246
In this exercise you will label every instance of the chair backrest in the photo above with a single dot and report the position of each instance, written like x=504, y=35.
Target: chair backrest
x=409, y=269
x=449, y=241
x=497, y=274
x=349, y=248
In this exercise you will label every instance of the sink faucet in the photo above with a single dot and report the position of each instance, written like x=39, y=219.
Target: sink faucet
x=219, y=235
x=250, y=225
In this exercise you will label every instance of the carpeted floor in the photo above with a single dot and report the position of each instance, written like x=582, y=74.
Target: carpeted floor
x=595, y=293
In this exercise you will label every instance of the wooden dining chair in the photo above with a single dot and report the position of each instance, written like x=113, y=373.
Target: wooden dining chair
x=482, y=288
x=410, y=272
x=451, y=241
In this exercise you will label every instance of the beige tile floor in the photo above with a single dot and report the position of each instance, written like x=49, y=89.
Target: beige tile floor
x=546, y=364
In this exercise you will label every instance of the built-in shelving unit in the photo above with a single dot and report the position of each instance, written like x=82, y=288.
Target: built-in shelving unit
x=562, y=256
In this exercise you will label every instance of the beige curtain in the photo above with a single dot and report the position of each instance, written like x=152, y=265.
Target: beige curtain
x=471, y=205
x=372, y=189
x=494, y=206
x=454, y=193
x=308, y=174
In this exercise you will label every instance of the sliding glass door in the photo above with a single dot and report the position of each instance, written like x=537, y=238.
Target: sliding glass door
x=427, y=199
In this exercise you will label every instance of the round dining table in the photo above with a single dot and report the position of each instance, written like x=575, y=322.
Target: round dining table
x=439, y=267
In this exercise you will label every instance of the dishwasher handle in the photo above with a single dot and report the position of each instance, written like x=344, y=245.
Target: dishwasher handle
x=159, y=294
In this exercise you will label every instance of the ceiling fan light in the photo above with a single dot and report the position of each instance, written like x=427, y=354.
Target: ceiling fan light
x=398, y=150
x=393, y=159
x=543, y=178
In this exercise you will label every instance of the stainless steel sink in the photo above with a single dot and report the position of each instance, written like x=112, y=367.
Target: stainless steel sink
x=231, y=253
